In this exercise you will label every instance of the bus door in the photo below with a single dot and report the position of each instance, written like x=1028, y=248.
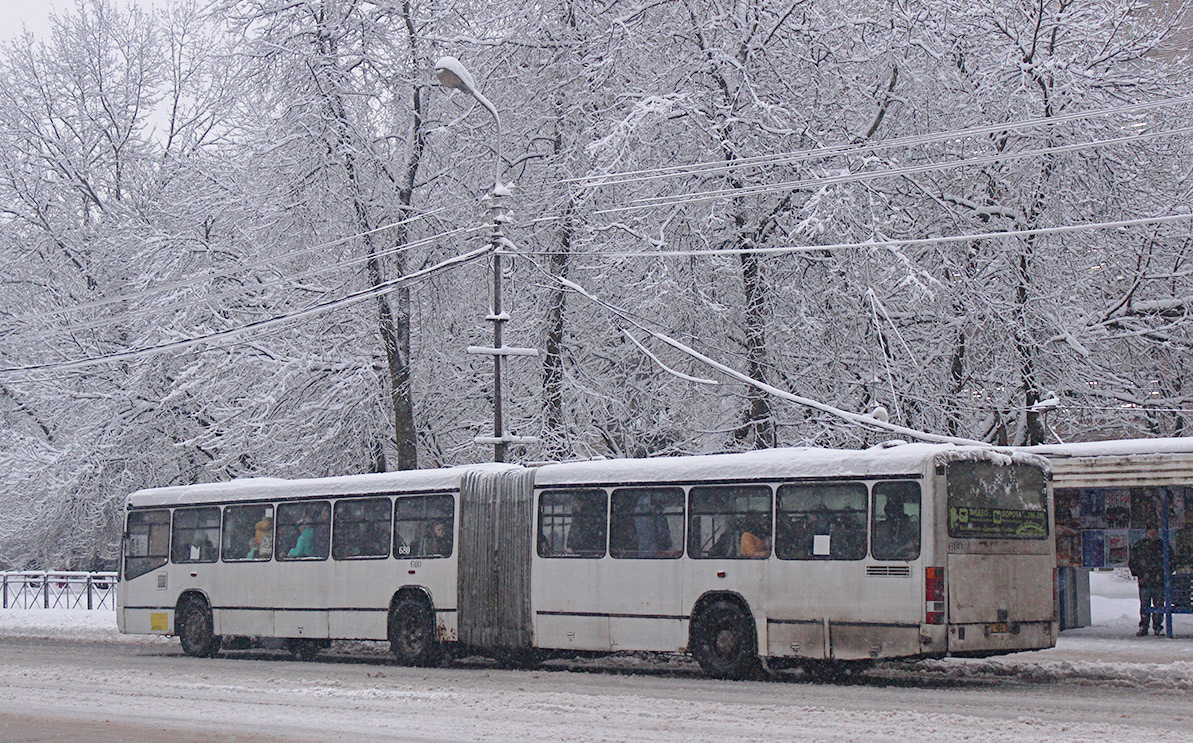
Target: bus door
x=363, y=575
x=646, y=538
x=245, y=599
x=143, y=597
x=1001, y=559
x=571, y=584
x=821, y=603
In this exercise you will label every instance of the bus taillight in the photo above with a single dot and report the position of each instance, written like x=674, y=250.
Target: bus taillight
x=933, y=595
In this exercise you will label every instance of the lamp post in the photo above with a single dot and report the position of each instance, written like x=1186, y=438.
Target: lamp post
x=451, y=73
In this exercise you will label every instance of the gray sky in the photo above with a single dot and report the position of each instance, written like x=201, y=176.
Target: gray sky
x=33, y=13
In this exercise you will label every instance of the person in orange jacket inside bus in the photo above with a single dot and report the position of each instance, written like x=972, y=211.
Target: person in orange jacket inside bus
x=261, y=545
x=755, y=539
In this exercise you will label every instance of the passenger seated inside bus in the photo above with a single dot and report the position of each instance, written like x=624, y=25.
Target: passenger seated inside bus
x=586, y=533
x=897, y=535
x=817, y=523
x=305, y=546
x=261, y=545
x=726, y=545
x=202, y=549
x=437, y=542
x=755, y=538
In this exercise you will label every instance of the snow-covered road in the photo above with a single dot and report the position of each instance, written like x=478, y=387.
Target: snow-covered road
x=1100, y=684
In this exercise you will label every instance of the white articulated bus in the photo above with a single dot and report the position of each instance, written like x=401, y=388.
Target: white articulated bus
x=784, y=557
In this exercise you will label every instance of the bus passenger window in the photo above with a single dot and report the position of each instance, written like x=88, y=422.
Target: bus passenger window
x=361, y=528
x=821, y=521
x=896, y=521
x=303, y=530
x=248, y=533
x=572, y=523
x=195, y=535
x=146, y=542
x=423, y=526
x=646, y=523
x=729, y=521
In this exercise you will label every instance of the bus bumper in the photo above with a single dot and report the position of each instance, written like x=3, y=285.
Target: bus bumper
x=993, y=638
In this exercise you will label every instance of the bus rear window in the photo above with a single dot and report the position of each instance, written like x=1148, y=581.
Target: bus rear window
x=997, y=501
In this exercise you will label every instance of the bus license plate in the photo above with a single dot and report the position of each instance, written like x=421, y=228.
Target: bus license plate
x=998, y=627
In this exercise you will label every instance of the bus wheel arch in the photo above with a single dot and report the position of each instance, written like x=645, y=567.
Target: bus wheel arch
x=411, y=627
x=723, y=638
x=195, y=626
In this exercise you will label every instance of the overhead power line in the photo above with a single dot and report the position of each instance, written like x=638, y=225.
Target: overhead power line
x=783, y=158
x=206, y=299
x=641, y=204
x=233, y=271
x=889, y=243
x=650, y=203
x=242, y=330
x=654, y=202
x=854, y=418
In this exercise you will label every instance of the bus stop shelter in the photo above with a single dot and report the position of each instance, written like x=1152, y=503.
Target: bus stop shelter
x=1107, y=495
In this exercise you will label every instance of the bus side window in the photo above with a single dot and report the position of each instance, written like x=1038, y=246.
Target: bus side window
x=729, y=521
x=423, y=526
x=821, y=521
x=361, y=528
x=304, y=530
x=896, y=521
x=646, y=523
x=573, y=523
x=248, y=533
x=195, y=535
x=147, y=542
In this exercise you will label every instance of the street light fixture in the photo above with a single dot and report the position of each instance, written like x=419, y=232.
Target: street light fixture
x=451, y=73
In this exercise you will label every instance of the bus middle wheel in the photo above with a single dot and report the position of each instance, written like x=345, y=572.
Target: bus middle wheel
x=412, y=637
x=723, y=642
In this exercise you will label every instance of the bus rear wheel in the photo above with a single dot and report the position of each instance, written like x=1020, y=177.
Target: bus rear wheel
x=196, y=632
x=412, y=637
x=723, y=642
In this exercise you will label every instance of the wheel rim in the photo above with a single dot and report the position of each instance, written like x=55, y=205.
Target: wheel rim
x=726, y=644
x=196, y=630
x=410, y=635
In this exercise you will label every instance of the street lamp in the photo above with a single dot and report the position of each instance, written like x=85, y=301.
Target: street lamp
x=452, y=74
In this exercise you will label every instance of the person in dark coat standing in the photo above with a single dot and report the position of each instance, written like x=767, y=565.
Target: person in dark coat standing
x=1147, y=565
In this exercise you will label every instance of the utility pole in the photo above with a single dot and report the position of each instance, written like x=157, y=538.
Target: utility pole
x=452, y=74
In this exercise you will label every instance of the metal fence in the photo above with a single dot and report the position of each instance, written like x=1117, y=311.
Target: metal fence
x=57, y=589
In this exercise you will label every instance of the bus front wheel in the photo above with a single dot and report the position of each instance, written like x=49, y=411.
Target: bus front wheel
x=723, y=642
x=196, y=631
x=412, y=637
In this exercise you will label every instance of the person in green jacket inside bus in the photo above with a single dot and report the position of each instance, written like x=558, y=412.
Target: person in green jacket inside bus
x=305, y=546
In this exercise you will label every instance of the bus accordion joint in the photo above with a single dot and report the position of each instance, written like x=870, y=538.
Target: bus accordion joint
x=933, y=595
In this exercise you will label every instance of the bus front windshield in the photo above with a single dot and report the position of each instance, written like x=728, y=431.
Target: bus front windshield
x=997, y=501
